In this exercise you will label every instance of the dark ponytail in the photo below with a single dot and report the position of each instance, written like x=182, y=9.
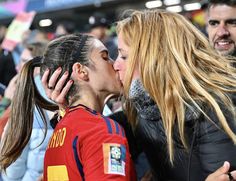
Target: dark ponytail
x=20, y=125
x=62, y=52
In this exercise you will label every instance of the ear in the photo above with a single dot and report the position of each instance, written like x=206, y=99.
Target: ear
x=80, y=71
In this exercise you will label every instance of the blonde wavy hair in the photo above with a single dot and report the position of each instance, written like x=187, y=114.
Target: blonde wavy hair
x=177, y=67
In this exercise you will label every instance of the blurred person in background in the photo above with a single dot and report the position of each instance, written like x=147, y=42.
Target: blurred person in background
x=221, y=26
x=65, y=28
x=29, y=166
x=8, y=60
x=98, y=27
x=30, y=37
x=7, y=65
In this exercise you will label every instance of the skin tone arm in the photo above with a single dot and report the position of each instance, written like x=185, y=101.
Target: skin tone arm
x=58, y=95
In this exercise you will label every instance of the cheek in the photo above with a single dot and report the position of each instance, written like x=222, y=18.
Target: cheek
x=136, y=74
x=210, y=30
x=233, y=33
x=122, y=70
x=211, y=35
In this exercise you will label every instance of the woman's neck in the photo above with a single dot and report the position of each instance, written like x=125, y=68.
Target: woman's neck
x=91, y=100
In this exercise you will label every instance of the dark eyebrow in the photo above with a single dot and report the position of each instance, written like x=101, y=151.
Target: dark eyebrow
x=226, y=21
x=230, y=20
x=213, y=20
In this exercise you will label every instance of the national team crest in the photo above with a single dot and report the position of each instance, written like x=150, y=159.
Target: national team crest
x=114, y=158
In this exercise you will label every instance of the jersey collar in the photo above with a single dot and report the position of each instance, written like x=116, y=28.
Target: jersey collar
x=81, y=106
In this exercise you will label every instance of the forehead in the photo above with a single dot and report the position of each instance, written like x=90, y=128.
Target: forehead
x=97, y=47
x=121, y=43
x=222, y=12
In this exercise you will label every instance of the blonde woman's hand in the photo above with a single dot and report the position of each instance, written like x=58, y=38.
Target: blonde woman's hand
x=222, y=174
x=54, y=88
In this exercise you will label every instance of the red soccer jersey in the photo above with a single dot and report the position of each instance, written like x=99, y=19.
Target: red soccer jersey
x=87, y=146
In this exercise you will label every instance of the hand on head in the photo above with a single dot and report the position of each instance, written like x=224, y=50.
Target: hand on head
x=222, y=174
x=55, y=89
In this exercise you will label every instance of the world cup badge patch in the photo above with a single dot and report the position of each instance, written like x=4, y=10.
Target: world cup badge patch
x=114, y=158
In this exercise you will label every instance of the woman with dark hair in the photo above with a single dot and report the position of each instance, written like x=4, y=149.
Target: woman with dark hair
x=85, y=145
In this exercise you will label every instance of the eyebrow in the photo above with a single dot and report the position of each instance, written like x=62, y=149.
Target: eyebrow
x=213, y=21
x=230, y=20
x=227, y=20
x=121, y=50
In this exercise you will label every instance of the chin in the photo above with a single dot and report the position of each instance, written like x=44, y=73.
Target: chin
x=227, y=53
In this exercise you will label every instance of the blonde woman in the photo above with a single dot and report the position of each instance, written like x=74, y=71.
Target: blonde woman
x=178, y=92
x=179, y=89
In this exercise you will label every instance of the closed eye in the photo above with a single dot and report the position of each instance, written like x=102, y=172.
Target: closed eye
x=123, y=57
x=105, y=55
x=106, y=58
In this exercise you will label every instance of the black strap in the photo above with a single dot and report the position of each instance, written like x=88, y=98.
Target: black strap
x=78, y=162
x=81, y=45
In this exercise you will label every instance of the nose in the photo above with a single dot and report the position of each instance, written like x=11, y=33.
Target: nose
x=116, y=65
x=222, y=30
